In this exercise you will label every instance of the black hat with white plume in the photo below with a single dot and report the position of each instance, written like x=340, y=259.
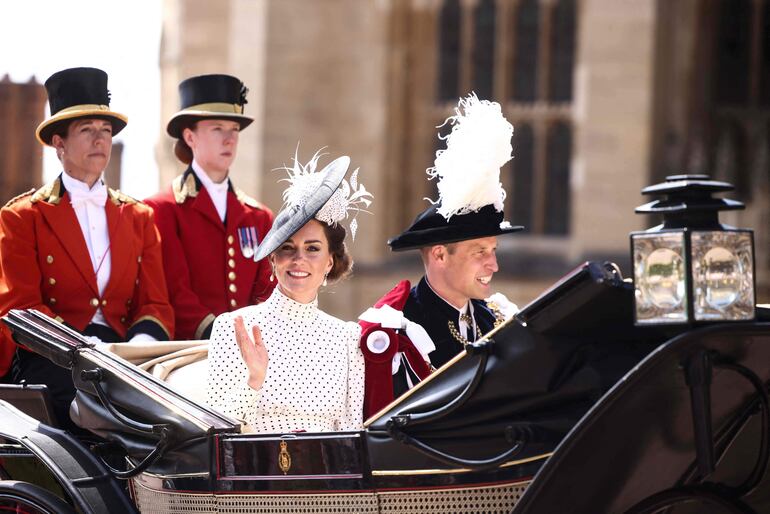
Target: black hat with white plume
x=471, y=197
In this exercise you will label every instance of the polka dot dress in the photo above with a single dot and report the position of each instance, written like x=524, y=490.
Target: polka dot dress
x=315, y=373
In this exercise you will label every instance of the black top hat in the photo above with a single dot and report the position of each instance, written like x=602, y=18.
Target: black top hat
x=209, y=96
x=293, y=217
x=431, y=228
x=78, y=93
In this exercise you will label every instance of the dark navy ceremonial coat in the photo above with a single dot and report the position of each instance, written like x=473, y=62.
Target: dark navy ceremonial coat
x=425, y=307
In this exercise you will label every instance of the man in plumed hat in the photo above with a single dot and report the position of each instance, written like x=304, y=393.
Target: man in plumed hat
x=75, y=249
x=210, y=229
x=423, y=327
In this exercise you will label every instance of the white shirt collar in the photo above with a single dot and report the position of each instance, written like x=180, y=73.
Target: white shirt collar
x=209, y=184
x=73, y=184
x=217, y=192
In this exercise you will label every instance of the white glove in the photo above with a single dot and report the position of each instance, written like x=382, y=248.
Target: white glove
x=141, y=337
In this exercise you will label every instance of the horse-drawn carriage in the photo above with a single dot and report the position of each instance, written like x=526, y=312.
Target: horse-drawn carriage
x=579, y=403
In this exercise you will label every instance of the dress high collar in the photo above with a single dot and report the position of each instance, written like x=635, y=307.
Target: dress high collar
x=284, y=306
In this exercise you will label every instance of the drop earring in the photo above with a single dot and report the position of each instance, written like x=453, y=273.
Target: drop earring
x=272, y=275
x=325, y=282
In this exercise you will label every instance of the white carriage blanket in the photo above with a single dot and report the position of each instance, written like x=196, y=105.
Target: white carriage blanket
x=181, y=364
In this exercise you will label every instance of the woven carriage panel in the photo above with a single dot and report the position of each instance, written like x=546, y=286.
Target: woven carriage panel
x=155, y=502
x=149, y=501
x=487, y=500
x=482, y=500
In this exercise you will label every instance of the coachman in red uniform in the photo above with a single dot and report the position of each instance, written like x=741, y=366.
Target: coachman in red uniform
x=210, y=230
x=76, y=250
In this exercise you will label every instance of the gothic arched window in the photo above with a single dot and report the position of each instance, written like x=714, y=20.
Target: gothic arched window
x=525, y=51
x=730, y=159
x=733, y=50
x=484, y=48
x=521, y=191
x=559, y=151
x=562, y=51
x=449, y=51
x=521, y=54
x=764, y=77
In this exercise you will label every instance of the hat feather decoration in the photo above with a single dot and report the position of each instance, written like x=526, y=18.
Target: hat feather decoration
x=304, y=180
x=468, y=171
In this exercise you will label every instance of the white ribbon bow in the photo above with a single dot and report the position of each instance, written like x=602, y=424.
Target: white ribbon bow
x=96, y=196
x=388, y=317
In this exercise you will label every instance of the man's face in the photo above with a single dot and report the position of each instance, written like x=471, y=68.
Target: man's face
x=468, y=268
x=214, y=144
x=85, y=152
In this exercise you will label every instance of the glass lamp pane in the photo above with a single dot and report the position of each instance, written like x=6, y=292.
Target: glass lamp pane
x=659, y=277
x=723, y=275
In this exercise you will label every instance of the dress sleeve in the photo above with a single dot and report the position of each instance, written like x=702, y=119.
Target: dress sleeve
x=353, y=418
x=227, y=389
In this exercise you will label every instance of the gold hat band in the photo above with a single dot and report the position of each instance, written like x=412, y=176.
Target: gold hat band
x=216, y=107
x=83, y=107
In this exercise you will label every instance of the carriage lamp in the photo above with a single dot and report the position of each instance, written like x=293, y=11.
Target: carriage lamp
x=691, y=268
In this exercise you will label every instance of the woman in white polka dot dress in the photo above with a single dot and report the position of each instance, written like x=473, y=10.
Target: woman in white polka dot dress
x=285, y=365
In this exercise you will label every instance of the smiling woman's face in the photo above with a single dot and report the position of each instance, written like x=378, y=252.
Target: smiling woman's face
x=85, y=152
x=302, y=262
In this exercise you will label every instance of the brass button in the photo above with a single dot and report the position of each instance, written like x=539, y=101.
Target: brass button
x=122, y=319
x=94, y=302
x=52, y=301
x=139, y=259
x=231, y=275
x=104, y=302
x=128, y=302
x=231, y=251
x=52, y=281
x=230, y=240
x=49, y=259
x=231, y=263
x=233, y=303
x=232, y=288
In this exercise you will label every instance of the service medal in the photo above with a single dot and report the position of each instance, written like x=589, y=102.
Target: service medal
x=247, y=237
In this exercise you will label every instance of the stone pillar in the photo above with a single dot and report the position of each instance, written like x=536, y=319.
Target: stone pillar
x=22, y=108
x=613, y=123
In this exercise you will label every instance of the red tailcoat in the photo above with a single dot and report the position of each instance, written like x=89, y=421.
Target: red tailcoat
x=207, y=272
x=45, y=265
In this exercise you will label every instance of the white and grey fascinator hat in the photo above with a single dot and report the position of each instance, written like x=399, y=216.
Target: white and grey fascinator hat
x=324, y=195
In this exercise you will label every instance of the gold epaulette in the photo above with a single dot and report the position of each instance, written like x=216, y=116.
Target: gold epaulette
x=50, y=192
x=19, y=197
x=247, y=200
x=118, y=198
x=186, y=189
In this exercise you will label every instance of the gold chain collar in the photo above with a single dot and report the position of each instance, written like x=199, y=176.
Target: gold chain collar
x=455, y=331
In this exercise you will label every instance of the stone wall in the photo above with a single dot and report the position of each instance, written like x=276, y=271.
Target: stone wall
x=22, y=108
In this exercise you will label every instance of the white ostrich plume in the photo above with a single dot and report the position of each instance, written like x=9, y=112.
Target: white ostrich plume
x=468, y=170
x=305, y=179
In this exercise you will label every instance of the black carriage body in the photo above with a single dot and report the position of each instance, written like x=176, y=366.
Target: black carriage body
x=470, y=438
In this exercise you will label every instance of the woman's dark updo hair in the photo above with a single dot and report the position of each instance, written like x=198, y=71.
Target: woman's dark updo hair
x=343, y=262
